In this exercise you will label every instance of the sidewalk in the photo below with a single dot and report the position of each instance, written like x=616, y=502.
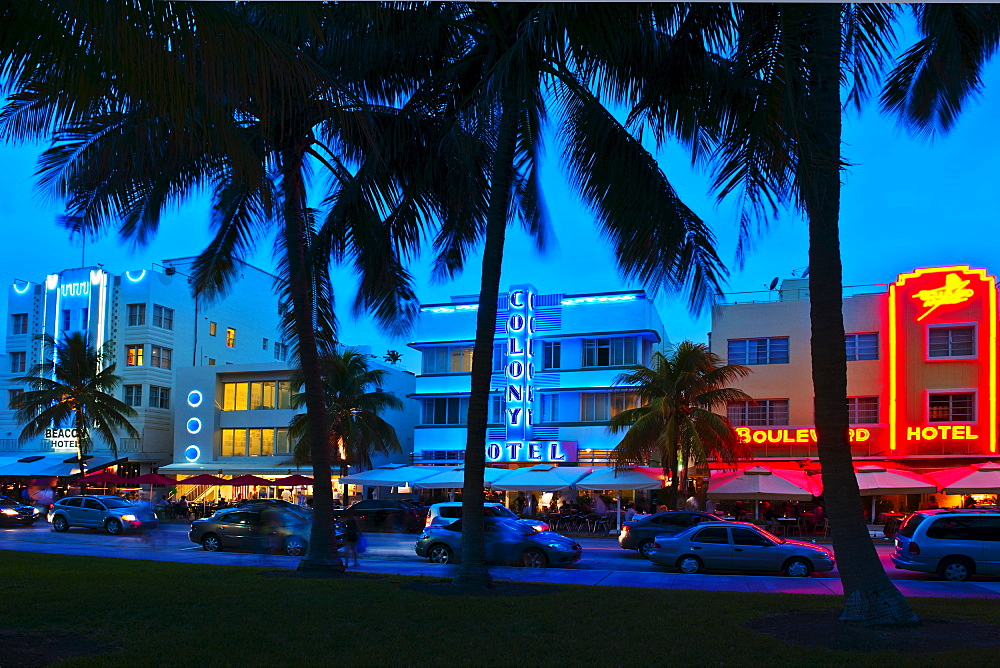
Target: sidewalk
x=598, y=578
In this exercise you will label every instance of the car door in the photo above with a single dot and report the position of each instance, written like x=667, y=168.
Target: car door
x=243, y=528
x=711, y=545
x=91, y=513
x=753, y=552
x=71, y=507
x=989, y=531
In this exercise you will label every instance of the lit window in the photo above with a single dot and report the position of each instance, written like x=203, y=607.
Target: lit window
x=620, y=351
x=862, y=410
x=951, y=342
x=136, y=315
x=163, y=317
x=959, y=407
x=230, y=337
x=862, y=346
x=159, y=397
x=18, y=362
x=255, y=442
x=160, y=357
x=133, y=395
x=133, y=355
x=211, y=361
x=447, y=359
x=600, y=406
x=759, y=351
x=19, y=323
x=761, y=413
x=212, y=328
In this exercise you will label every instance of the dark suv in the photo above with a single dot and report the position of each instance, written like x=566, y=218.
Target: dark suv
x=955, y=544
x=386, y=515
x=639, y=534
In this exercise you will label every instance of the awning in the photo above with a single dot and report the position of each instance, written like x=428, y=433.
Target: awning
x=972, y=479
x=455, y=478
x=760, y=483
x=542, y=478
x=876, y=480
x=218, y=468
x=393, y=475
x=609, y=478
x=63, y=465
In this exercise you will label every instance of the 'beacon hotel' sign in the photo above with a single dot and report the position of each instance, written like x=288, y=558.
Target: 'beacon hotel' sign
x=519, y=373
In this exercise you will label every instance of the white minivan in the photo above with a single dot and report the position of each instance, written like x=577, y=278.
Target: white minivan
x=443, y=514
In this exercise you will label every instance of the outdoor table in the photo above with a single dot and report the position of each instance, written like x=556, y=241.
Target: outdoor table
x=785, y=523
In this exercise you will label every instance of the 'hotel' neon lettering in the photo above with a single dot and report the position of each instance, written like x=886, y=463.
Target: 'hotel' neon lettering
x=943, y=432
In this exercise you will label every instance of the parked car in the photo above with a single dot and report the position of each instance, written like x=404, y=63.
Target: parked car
x=303, y=511
x=377, y=515
x=738, y=546
x=111, y=513
x=15, y=512
x=955, y=544
x=442, y=514
x=506, y=542
x=639, y=534
x=269, y=528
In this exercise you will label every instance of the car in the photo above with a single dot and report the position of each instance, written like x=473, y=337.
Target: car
x=267, y=527
x=955, y=544
x=305, y=512
x=441, y=514
x=639, y=534
x=378, y=515
x=506, y=542
x=15, y=512
x=99, y=511
x=738, y=546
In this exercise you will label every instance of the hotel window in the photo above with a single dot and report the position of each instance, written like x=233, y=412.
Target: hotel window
x=19, y=323
x=549, y=408
x=132, y=395
x=497, y=409
x=600, y=406
x=159, y=357
x=499, y=356
x=619, y=351
x=18, y=362
x=159, y=397
x=447, y=359
x=133, y=355
x=12, y=398
x=862, y=410
x=67, y=320
x=211, y=361
x=280, y=351
x=959, y=407
x=136, y=315
x=263, y=442
x=256, y=395
x=862, y=347
x=762, y=413
x=265, y=344
x=951, y=341
x=163, y=317
x=213, y=328
x=551, y=354
x=230, y=337
x=444, y=410
x=759, y=351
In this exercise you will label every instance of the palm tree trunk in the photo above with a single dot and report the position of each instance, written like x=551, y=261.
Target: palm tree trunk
x=473, y=572
x=321, y=554
x=870, y=597
x=78, y=423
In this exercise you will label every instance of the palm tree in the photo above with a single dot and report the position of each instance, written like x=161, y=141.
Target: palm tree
x=781, y=143
x=678, y=420
x=354, y=410
x=74, y=385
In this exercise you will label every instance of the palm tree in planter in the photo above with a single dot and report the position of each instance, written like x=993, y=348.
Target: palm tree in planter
x=74, y=385
x=676, y=421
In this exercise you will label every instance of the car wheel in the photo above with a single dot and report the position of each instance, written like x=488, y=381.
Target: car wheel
x=295, y=546
x=534, y=559
x=59, y=523
x=797, y=568
x=440, y=554
x=956, y=570
x=689, y=565
x=211, y=543
x=113, y=527
x=645, y=547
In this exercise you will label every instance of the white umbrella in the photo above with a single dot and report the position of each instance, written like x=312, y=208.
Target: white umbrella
x=876, y=480
x=610, y=478
x=972, y=479
x=392, y=475
x=542, y=478
x=454, y=478
x=760, y=483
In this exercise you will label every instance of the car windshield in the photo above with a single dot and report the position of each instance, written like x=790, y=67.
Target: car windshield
x=116, y=503
x=502, y=511
x=777, y=539
x=517, y=528
x=7, y=501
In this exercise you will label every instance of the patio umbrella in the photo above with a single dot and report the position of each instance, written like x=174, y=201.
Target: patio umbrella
x=972, y=479
x=247, y=480
x=455, y=478
x=630, y=478
x=154, y=479
x=874, y=481
x=104, y=478
x=293, y=480
x=542, y=478
x=393, y=475
x=761, y=483
x=203, y=479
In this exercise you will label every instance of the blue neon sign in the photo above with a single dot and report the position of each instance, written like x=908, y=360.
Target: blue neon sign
x=557, y=452
x=520, y=368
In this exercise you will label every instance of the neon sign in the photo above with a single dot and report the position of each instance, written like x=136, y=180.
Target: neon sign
x=80, y=289
x=21, y=291
x=954, y=291
x=531, y=451
x=520, y=367
x=597, y=299
x=63, y=438
x=794, y=435
x=944, y=432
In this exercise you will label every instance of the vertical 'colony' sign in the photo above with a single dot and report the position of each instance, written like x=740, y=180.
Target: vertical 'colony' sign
x=520, y=368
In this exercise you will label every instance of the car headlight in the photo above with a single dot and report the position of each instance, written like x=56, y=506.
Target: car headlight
x=128, y=517
x=9, y=511
x=35, y=511
x=562, y=547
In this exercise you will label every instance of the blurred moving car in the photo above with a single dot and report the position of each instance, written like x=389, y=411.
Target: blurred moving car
x=955, y=544
x=15, y=512
x=269, y=528
x=639, y=534
x=738, y=546
x=443, y=514
x=111, y=513
x=377, y=515
x=506, y=542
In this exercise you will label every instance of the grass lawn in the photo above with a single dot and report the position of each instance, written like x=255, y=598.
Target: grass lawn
x=150, y=614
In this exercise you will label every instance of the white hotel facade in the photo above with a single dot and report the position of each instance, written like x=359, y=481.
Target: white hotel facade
x=555, y=360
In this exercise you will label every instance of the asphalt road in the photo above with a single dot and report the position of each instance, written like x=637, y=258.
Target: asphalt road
x=170, y=543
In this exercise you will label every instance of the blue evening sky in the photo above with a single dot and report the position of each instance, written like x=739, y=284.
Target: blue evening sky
x=907, y=203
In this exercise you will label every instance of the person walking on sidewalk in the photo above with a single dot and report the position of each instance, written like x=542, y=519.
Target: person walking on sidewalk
x=352, y=536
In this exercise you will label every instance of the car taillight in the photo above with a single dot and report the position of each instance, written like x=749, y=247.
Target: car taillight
x=914, y=548
x=625, y=529
x=427, y=522
x=656, y=546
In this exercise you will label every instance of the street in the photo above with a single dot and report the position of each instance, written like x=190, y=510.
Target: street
x=170, y=543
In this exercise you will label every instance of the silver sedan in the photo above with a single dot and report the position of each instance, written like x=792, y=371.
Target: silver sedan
x=738, y=546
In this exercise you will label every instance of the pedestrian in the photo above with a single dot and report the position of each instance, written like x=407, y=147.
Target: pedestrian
x=352, y=536
x=300, y=495
x=710, y=506
x=629, y=512
x=691, y=503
